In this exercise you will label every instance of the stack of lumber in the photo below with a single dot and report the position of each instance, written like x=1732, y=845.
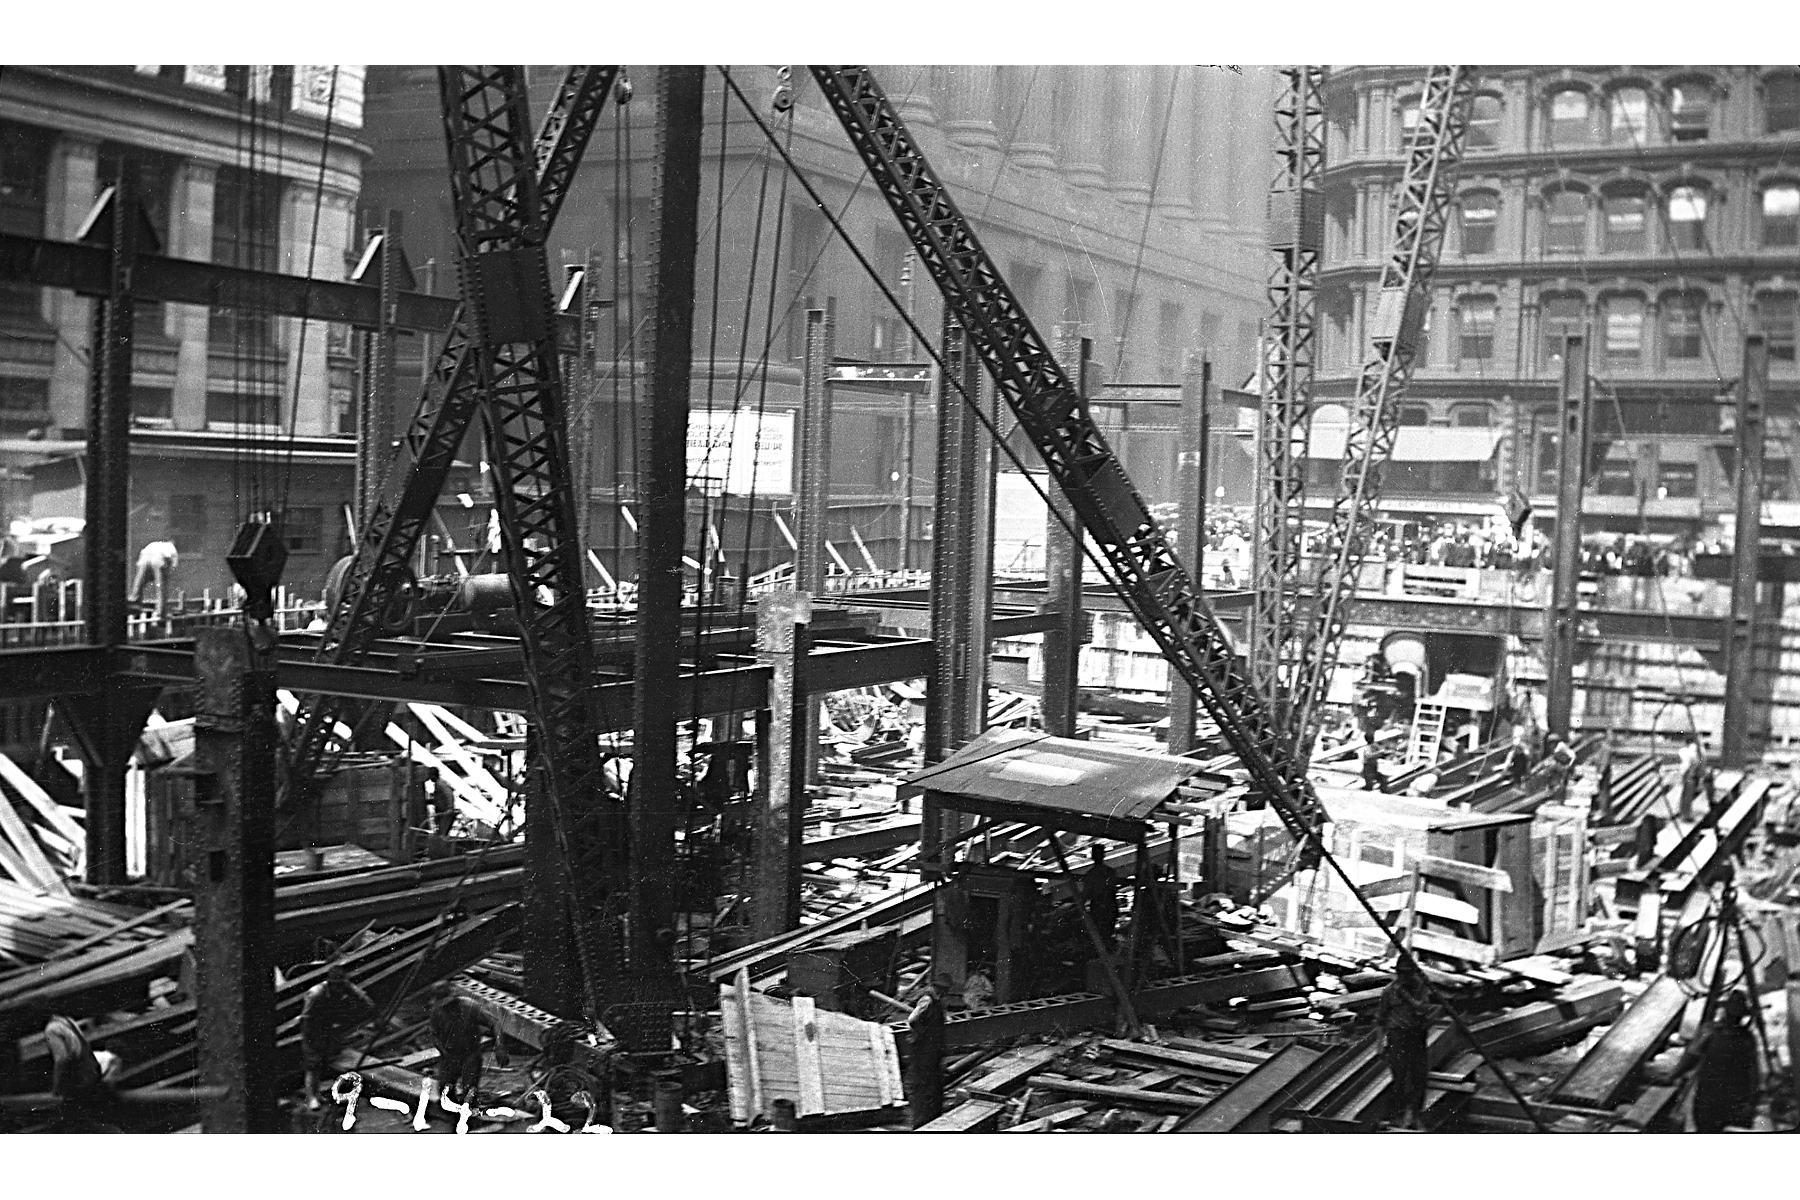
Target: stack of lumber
x=37, y=927
x=41, y=842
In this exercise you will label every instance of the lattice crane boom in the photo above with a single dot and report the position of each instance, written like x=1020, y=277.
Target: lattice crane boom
x=1296, y=223
x=1433, y=152
x=1145, y=570
x=380, y=573
x=501, y=228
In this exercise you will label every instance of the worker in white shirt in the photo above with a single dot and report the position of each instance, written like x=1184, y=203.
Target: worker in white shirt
x=156, y=562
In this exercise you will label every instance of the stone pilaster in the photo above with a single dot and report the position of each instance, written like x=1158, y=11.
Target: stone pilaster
x=971, y=121
x=190, y=237
x=1136, y=111
x=1174, y=188
x=1033, y=90
x=1084, y=126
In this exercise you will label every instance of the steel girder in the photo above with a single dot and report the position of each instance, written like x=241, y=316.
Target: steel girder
x=1148, y=576
x=1432, y=155
x=1296, y=224
x=515, y=371
x=380, y=574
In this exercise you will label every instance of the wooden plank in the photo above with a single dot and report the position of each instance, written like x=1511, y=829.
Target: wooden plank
x=1234, y=1067
x=1465, y=873
x=31, y=855
x=1454, y=947
x=752, y=1060
x=1050, y=1121
x=971, y=1116
x=1398, y=885
x=1100, y=1091
x=1431, y=904
x=884, y=1091
x=1013, y=1066
x=806, y=1059
x=1251, y=1098
x=141, y=919
x=38, y=798
x=1638, y=1033
x=1651, y=1105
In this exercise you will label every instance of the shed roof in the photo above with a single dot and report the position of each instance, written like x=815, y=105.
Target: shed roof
x=1059, y=775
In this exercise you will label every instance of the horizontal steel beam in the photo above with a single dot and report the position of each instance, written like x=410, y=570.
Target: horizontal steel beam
x=83, y=269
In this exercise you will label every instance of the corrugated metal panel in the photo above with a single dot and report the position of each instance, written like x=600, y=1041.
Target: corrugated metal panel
x=1017, y=767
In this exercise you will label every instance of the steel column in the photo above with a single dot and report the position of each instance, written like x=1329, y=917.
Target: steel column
x=231, y=834
x=782, y=643
x=1191, y=482
x=375, y=403
x=1574, y=436
x=812, y=515
x=1060, y=700
x=105, y=551
x=1741, y=664
x=656, y=793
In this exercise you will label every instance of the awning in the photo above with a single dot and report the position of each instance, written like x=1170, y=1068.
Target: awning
x=1417, y=443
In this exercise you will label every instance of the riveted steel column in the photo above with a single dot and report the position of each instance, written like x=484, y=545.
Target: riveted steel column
x=1191, y=482
x=1061, y=696
x=1574, y=437
x=782, y=624
x=1746, y=557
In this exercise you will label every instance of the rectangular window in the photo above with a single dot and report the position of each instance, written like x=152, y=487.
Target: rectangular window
x=187, y=522
x=1472, y=416
x=1547, y=451
x=1414, y=414
x=1565, y=223
x=1484, y=123
x=1775, y=317
x=1624, y=329
x=304, y=530
x=1376, y=853
x=24, y=177
x=1781, y=104
x=1690, y=112
x=1778, y=479
x=246, y=232
x=1480, y=217
x=1618, y=472
x=1681, y=327
x=1677, y=480
x=1569, y=118
x=1563, y=316
x=1630, y=109
x=232, y=408
x=152, y=405
x=1168, y=340
x=1625, y=224
x=1781, y=215
x=24, y=403
x=1477, y=340
x=1687, y=218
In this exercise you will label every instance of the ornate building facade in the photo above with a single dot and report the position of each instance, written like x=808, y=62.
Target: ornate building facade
x=1656, y=208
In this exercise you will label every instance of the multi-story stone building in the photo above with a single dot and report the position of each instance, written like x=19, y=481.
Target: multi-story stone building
x=1127, y=203
x=1657, y=208
x=250, y=166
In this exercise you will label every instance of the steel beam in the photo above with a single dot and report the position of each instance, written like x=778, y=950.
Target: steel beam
x=1574, y=412
x=105, y=552
x=1741, y=666
x=656, y=791
x=1191, y=481
x=375, y=399
x=812, y=513
x=231, y=828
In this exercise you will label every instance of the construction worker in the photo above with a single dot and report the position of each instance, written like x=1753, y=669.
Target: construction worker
x=1726, y=1084
x=1406, y=1012
x=1518, y=760
x=1373, y=779
x=1100, y=894
x=458, y=1026
x=925, y=1056
x=156, y=563
x=1689, y=763
x=331, y=1009
x=79, y=1077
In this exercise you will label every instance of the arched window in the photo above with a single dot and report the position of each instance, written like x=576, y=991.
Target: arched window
x=1475, y=341
x=1687, y=218
x=1628, y=112
x=1484, y=123
x=1560, y=317
x=1472, y=415
x=1781, y=214
x=1625, y=217
x=1480, y=219
x=1624, y=330
x=1569, y=118
x=1565, y=222
x=1781, y=103
x=1415, y=414
x=1690, y=111
x=1682, y=333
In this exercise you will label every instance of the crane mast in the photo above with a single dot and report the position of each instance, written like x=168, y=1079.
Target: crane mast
x=1296, y=223
x=1433, y=153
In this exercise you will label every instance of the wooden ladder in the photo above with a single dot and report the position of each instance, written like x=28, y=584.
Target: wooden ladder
x=1427, y=733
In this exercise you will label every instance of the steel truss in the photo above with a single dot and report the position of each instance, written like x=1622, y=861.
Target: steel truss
x=514, y=371
x=1296, y=223
x=1432, y=155
x=1146, y=572
x=380, y=577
